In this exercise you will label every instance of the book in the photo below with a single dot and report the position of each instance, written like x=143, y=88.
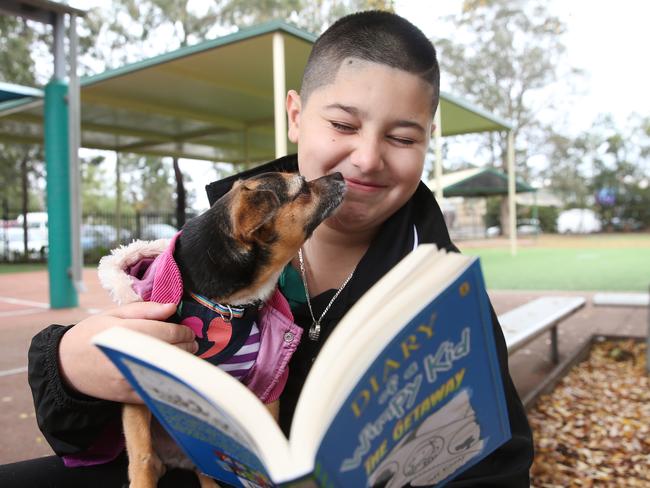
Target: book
x=406, y=391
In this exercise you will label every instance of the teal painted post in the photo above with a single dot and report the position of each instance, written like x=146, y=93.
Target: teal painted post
x=62, y=291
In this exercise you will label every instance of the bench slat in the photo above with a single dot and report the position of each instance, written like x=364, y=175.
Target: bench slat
x=523, y=324
x=622, y=299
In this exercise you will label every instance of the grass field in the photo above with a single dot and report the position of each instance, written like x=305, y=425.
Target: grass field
x=616, y=262
x=6, y=268
x=608, y=262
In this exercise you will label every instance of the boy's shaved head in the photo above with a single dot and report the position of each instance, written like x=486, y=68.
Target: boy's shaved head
x=376, y=36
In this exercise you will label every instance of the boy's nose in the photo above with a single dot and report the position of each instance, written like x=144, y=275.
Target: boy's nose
x=367, y=155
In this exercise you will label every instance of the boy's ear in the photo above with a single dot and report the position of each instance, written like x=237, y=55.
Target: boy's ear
x=294, y=105
x=253, y=208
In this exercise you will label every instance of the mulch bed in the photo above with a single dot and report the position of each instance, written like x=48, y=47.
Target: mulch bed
x=593, y=429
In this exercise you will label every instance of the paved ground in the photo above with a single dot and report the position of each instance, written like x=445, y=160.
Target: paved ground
x=24, y=311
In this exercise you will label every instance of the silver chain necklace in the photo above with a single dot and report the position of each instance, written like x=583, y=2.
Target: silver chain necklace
x=314, y=330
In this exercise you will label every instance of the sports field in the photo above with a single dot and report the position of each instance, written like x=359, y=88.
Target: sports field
x=604, y=262
x=608, y=262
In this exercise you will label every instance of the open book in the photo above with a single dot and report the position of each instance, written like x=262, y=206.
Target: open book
x=405, y=392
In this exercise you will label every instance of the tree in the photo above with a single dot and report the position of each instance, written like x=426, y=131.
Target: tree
x=20, y=164
x=504, y=56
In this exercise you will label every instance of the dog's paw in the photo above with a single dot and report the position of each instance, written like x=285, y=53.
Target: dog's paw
x=145, y=471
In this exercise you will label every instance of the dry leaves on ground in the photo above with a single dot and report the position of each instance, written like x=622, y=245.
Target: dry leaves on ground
x=593, y=429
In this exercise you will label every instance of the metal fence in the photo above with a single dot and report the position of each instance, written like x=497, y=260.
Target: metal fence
x=100, y=232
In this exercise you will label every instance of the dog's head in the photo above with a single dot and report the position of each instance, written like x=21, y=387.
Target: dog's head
x=235, y=251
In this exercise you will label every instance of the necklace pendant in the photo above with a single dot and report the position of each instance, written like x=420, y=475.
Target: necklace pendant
x=314, y=331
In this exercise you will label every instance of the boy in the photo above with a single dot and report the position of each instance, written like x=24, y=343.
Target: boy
x=365, y=109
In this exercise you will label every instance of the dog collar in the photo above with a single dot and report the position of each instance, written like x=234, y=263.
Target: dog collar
x=227, y=312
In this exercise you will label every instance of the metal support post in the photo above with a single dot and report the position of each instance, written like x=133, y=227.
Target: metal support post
x=279, y=95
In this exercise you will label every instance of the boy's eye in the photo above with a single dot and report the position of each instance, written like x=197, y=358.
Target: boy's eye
x=402, y=140
x=342, y=127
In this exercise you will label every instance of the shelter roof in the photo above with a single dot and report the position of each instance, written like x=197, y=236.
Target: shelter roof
x=9, y=91
x=477, y=182
x=212, y=100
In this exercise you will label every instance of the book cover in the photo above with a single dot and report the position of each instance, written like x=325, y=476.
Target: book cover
x=430, y=406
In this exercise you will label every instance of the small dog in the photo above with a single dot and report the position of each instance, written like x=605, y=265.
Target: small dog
x=233, y=254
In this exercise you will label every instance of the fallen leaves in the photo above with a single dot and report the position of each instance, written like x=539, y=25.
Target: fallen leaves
x=593, y=429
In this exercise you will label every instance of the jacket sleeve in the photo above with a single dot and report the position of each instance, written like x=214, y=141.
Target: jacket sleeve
x=74, y=425
x=509, y=465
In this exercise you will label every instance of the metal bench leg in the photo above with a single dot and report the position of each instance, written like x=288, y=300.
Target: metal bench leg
x=555, y=355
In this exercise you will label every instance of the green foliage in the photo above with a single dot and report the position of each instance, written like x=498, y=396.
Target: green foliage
x=492, y=212
x=547, y=216
x=16, y=38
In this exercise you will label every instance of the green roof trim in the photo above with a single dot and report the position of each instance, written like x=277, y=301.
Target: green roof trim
x=241, y=35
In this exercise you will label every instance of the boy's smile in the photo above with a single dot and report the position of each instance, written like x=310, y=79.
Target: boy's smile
x=372, y=124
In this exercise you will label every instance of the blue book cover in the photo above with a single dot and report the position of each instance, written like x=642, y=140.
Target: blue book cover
x=406, y=392
x=431, y=405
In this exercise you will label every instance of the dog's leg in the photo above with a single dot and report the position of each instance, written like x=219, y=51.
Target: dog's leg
x=145, y=467
x=274, y=409
x=206, y=482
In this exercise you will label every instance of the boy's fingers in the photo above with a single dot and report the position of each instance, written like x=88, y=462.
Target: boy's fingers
x=190, y=347
x=143, y=310
x=171, y=333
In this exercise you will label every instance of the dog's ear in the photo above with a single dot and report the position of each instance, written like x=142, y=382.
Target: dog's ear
x=252, y=209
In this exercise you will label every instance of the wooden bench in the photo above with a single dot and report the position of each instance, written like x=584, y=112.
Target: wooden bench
x=622, y=299
x=523, y=324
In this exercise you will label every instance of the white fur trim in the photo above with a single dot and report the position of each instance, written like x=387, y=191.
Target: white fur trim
x=111, y=269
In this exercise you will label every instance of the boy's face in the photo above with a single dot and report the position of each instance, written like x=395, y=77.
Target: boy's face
x=373, y=124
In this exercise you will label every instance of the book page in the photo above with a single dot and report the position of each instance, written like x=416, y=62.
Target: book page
x=217, y=421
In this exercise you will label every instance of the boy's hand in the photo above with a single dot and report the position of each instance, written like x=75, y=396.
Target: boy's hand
x=85, y=369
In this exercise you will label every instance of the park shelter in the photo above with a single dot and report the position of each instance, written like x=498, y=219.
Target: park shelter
x=475, y=183
x=478, y=182
x=219, y=100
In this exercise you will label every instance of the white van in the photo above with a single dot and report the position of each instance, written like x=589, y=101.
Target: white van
x=578, y=221
x=35, y=220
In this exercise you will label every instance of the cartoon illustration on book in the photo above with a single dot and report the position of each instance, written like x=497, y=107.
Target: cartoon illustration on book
x=434, y=450
x=248, y=477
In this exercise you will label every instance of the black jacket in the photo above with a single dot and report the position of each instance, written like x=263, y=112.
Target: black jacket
x=70, y=423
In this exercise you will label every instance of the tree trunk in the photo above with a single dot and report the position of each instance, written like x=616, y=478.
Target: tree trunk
x=504, y=216
x=24, y=203
x=180, y=195
x=118, y=198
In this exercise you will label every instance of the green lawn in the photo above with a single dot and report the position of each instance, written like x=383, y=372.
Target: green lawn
x=615, y=262
x=6, y=268
x=597, y=266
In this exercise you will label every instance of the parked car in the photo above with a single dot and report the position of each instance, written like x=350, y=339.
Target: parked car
x=626, y=225
x=102, y=235
x=12, y=245
x=528, y=227
x=578, y=221
x=157, y=231
x=524, y=227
